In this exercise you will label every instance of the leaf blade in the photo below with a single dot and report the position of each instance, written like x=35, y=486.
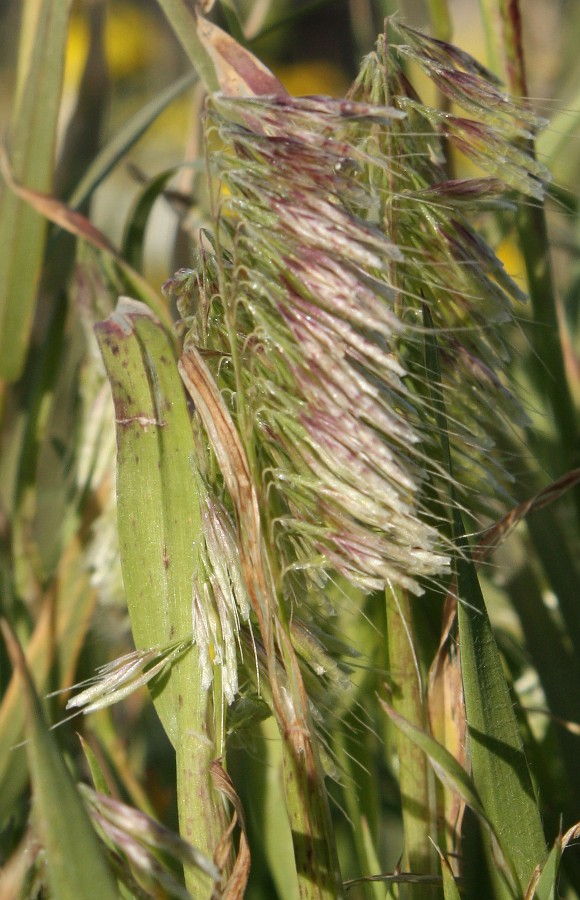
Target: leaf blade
x=77, y=867
x=500, y=770
x=32, y=140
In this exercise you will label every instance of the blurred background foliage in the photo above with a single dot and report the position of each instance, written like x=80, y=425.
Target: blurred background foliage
x=312, y=47
x=57, y=514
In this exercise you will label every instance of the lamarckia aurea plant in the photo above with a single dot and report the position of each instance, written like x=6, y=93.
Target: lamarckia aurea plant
x=346, y=330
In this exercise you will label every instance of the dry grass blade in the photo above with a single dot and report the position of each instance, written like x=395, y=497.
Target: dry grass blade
x=494, y=535
x=447, y=717
x=79, y=226
x=55, y=210
x=238, y=880
x=395, y=878
x=233, y=463
x=239, y=73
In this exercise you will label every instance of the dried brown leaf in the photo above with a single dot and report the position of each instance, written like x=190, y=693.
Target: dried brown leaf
x=239, y=73
x=447, y=717
x=493, y=536
x=238, y=880
x=233, y=463
x=56, y=211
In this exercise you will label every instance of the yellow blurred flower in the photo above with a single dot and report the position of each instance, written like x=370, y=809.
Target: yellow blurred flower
x=131, y=42
x=315, y=77
x=511, y=256
x=76, y=49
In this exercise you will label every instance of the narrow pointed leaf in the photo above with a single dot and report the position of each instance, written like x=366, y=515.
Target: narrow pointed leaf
x=97, y=774
x=58, y=633
x=500, y=769
x=446, y=766
x=450, y=889
x=133, y=129
x=77, y=867
x=545, y=879
x=454, y=776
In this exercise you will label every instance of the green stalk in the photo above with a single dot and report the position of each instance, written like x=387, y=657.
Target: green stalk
x=183, y=20
x=544, y=332
x=415, y=775
x=550, y=374
x=306, y=799
x=159, y=516
x=441, y=24
x=491, y=27
x=357, y=804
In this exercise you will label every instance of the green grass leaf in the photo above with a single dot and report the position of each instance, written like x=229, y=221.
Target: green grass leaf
x=133, y=245
x=77, y=867
x=450, y=889
x=31, y=143
x=97, y=774
x=500, y=769
x=544, y=882
x=449, y=771
x=116, y=149
x=53, y=645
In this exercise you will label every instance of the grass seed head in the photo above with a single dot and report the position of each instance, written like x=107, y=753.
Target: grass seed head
x=344, y=255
